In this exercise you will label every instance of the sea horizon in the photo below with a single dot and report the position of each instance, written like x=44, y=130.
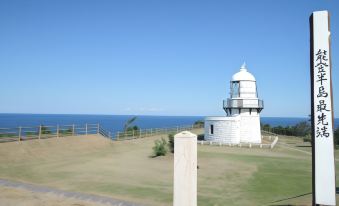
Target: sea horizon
x=161, y=115
x=115, y=123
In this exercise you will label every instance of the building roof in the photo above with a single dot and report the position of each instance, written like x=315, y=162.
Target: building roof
x=243, y=75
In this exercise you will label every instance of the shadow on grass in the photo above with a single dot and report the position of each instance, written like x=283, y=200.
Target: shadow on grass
x=155, y=156
x=303, y=146
x=289, y=198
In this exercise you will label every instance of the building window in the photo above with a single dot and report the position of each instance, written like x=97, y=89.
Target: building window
x=235, y=89
x=211, y=129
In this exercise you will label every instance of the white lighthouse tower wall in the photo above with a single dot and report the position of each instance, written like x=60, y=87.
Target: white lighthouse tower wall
x=250, y=129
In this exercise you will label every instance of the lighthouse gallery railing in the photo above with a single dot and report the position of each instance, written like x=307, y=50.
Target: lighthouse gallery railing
x=244, y=103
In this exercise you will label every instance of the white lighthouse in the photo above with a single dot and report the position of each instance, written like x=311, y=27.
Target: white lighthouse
x=242, y=121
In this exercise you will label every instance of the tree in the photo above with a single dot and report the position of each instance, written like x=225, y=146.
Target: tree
x=302, y=129
x=128, y=123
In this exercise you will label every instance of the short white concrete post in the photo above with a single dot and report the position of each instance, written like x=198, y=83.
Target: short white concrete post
x=19, y=135
x=73, y=130
x=185, y=169
x=57, y=131
x=40, y=128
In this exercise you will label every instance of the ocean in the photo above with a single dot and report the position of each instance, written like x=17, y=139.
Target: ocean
x=115, y=123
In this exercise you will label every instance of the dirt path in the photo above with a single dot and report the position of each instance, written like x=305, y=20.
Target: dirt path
x=293, y=148
x=66, y=194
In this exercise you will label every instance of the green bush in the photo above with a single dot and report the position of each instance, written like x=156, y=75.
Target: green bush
x=201, y=137
x=133, y=130
x=300, y=130
x=160, y=147
x=66, y=132
x=336, y=136
x=199, y=123
x=308, y=138
x=45, y=130
x=30, y=134
x=171, y=142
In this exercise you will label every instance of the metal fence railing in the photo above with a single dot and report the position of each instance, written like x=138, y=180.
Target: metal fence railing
x=140, y=133
x=273, y=140
x=46, y=131
x=43, y=132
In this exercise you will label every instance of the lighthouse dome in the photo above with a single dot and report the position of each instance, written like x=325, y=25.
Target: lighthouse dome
x=243, y=75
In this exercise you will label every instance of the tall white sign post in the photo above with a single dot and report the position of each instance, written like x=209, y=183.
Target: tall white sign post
x=185, y=169
x=324, y=189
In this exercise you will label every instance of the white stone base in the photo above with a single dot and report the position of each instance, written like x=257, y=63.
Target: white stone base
x=225, y=129
x=233, y=130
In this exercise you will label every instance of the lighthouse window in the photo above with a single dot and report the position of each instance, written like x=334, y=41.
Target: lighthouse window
x=235, y=89
x=211, y=129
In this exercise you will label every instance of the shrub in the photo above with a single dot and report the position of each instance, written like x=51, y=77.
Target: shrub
x=300, y=130
x=336, y=136
x=171, y=142
x=199, y=123
x=45, y=130
x=66, y=132
x=160, y=147
x=133, y=130
x=201, y=137
x=308, y=138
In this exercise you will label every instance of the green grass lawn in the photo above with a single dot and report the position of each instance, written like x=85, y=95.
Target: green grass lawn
x=125, y=170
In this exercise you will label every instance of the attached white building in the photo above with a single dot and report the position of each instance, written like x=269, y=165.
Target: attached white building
x=242, y=121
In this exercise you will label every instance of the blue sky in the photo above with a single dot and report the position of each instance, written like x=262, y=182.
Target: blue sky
x=156, y=57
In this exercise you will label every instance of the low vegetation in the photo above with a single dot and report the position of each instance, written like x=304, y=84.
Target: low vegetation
x=171, y=142
x=199, y=123
x=160, y=147
x=336, y=136
x=65, y=132
x=302, y=129
x=45, y=130
x=299, y=130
